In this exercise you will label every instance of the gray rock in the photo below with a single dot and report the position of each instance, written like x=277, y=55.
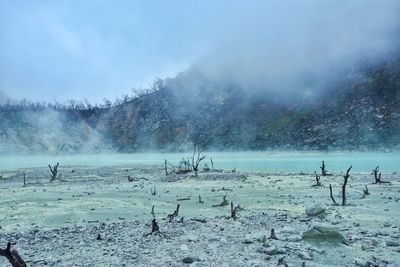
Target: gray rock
x=251, y=238
x=322, y=232
x=314, y=210
x=392, y=243
x=189, y=260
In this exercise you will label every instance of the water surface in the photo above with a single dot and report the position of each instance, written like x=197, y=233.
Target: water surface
x=247, y=161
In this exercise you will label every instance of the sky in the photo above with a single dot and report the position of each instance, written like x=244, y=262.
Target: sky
x=96, y=49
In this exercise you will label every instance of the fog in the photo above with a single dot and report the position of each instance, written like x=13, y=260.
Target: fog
x=303, y=47
x=274, y=46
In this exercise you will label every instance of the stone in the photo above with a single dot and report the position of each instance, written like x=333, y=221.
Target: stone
x=314, y=210
x=188, y=260
x=321, y=232
x=251, y=238
x=392, y=243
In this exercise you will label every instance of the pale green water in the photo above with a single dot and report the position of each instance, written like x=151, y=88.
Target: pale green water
x=249, y=161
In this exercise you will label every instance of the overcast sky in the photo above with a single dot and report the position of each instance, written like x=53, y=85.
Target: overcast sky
x=58, y=50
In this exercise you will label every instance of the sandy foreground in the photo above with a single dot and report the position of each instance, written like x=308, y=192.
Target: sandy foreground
x=96, y=217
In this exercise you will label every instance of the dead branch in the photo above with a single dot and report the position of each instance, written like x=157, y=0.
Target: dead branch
x=377, y=177
x=175, y=214
x=13, y=257
x=199, y=220
x=346, y=177
x=225, y=189
x=184, y=199
x=212, y=164
x=223, y=203
x=24, y=179
x=133, y=179
x=54, y=172
x=333, y=199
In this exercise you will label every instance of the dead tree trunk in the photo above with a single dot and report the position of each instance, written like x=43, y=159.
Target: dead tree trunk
x=165, y=167
x=377, y=176
x=366, y=192
x=233, y=211
x=154, y=226
x=175, y=214
x=375, y=171
x=153, y=191
x=24, y=179
x=318, y=180
x=273, y=234
x=12, y=256
x=333, y=199
x=53, y=172
x=323, y=170
x=346, y=177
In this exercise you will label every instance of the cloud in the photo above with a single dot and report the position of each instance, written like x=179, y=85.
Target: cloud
x=301, y=47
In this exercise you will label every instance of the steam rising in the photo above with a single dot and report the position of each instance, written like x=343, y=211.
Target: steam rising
x=301, y=47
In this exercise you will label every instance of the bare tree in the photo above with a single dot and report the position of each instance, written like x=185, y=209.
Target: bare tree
x=377, y=176
x=346, y=177
x=54, y=172
x=197, y=157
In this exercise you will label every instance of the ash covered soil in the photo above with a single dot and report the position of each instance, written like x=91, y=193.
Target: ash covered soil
x=95, y=216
